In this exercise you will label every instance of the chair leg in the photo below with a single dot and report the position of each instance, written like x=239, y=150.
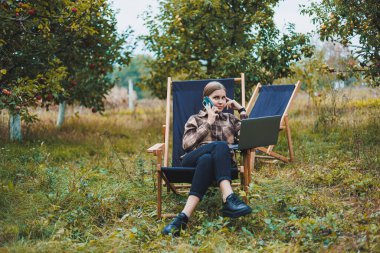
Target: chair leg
x=243, y=179
x=247, y=162
x=248, y=166
x=289, y=137
x=246, y=186
x=159, y=194
x=252, y=164
x=241, y=172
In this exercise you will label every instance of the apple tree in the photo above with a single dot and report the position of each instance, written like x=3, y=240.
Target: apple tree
x=354, y=24
x=29, y=70
x=47, y=49
x=90, y=56
x=213, y=39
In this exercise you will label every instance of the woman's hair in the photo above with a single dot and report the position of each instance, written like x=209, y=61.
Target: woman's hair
x=211, y=87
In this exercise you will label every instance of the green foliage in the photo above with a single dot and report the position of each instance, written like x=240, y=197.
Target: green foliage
x=315, y=75
x=51, y=51
x=23, y=90
x=215, y=39
x=343, y=21
x=135, y=71
x=320, y=80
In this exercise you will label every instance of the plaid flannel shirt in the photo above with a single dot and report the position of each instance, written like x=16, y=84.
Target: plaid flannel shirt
x=199, y=132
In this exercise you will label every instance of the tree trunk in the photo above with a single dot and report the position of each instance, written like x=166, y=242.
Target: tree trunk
x=61, y=114
x=131, y=96
x=2, y=116
x=15, y=127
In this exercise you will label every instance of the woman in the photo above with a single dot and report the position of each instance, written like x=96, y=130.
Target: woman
x=206, y=138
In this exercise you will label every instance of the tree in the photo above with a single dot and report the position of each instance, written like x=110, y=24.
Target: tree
x=93, y=55
x=53, y=51
x=345, y=21
x=76, y=40
x=203, y=39
x=29, y=71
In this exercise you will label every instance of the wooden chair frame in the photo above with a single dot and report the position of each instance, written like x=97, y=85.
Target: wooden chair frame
x=161, y=150
x=283, y=125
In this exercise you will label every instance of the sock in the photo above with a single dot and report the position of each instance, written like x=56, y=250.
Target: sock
x=187, y=216
x=225, y=197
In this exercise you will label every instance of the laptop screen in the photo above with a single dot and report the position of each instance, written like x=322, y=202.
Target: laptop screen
x=259, y=132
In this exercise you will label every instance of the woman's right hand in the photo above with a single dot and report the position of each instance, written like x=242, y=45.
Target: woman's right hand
x=211, y=113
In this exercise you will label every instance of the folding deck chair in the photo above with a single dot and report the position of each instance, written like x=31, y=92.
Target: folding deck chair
x=270, y=100
x=187, y=100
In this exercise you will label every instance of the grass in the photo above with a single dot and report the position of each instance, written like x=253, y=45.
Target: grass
x=90, y=187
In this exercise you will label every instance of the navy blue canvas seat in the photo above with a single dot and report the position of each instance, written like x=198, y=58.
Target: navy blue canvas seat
x=271, y=100
x=187, y=101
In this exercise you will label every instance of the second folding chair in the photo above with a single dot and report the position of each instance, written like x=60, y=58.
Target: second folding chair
x=270, y=100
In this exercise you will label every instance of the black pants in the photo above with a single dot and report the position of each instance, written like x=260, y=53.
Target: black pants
x=212, y=162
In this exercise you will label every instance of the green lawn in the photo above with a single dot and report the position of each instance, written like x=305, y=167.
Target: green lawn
x=90, y=187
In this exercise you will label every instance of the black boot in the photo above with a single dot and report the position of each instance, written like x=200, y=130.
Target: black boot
x=178, y=223
x=234, y=207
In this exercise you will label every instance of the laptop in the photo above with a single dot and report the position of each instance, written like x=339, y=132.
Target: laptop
x=258, y=132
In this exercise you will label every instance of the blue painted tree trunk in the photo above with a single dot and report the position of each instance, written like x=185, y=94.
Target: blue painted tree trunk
x=61, y=114
x=15, y=127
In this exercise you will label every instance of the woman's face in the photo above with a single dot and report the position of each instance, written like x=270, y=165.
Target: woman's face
x=219, y=99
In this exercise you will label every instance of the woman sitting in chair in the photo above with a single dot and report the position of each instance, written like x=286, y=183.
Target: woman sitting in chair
x=206, y=138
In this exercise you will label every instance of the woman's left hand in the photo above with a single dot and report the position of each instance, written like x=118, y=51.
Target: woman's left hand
x=233, y=104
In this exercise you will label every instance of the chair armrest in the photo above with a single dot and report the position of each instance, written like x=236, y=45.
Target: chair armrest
x=156, y=148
